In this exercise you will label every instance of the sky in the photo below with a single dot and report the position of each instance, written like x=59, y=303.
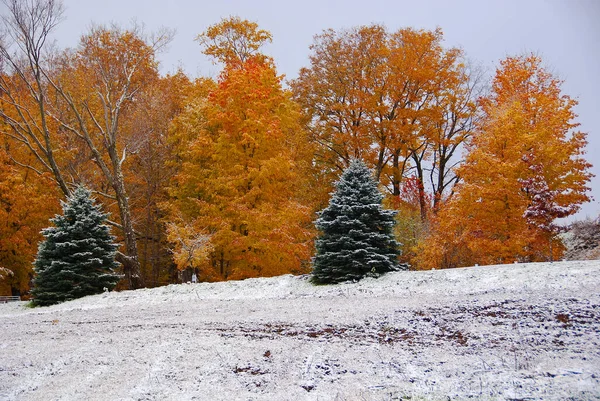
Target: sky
x=564, y=33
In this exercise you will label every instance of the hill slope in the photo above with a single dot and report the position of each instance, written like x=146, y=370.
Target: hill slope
x=528, y=331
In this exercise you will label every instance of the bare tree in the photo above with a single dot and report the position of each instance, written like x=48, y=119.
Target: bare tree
x=90, y=89
x=461, y=115
x=22, y=84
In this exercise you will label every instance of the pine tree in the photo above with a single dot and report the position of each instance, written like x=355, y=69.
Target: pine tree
x=77, y=257
x=357, y=233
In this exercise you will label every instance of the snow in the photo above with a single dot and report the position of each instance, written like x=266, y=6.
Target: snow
x=519, y=331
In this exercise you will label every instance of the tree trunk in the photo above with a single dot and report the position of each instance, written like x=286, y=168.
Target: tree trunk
x=422, y=200
x=441, y=178
x=397, y=174
x=380, y=164
x=131, y=263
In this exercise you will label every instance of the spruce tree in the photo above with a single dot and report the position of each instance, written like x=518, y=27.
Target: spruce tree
x=77, y=258
x=357, y=233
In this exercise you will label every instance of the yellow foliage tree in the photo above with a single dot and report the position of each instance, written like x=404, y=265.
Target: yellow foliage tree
x=524, y=169
x=233, y=40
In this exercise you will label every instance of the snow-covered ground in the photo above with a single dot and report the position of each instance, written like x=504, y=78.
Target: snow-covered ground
x=519, y=332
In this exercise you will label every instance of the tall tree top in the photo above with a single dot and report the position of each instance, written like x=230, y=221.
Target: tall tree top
x=233, y=40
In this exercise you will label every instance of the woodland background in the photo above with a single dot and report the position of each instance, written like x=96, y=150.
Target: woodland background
x=224, y=175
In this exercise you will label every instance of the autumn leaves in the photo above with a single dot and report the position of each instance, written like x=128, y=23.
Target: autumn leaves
x=410, y=109
x=524, y=169
x=225, y=176
x=244, y=179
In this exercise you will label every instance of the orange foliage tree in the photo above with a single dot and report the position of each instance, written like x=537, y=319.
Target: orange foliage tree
x=399, y=101
x=524, y=169
x=241, y=181
x=27, y=201
x=98, y=86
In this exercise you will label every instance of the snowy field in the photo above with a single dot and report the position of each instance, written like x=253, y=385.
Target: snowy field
x=514, y=332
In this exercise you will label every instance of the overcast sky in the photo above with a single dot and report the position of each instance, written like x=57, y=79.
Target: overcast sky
x=564, y=32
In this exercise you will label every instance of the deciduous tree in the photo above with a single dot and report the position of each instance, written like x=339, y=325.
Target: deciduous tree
x=400, y=101
x=524, y=169
x=233, y=40
x=98, y=85
x=149, y=168
x=241, y=179
x=27, y=201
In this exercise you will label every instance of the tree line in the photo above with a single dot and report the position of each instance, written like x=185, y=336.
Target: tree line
x=225, y=176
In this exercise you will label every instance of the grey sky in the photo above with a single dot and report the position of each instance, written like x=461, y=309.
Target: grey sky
x=564, y=32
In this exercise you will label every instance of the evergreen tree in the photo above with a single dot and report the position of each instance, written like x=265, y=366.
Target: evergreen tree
x=77, y=257
x=357, y=233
